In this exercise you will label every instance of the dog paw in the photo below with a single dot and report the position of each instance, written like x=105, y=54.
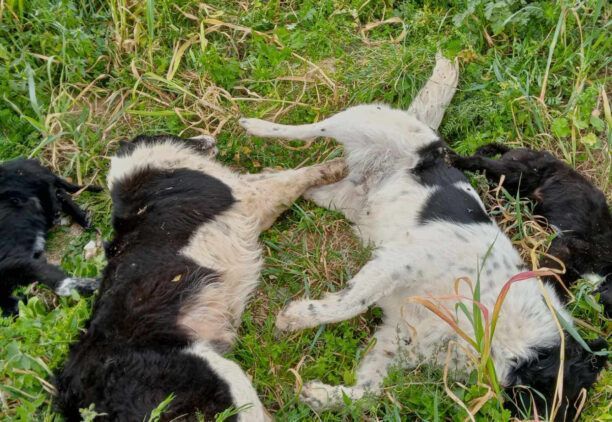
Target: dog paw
x=333, y=170
x=286, y=321
x=258, y=127
x=320, y=396
x=84, y=286
x=208, y=140
x=293, y=317
x=445, y=70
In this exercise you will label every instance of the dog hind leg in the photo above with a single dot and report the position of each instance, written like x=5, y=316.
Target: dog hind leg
x=275, y=192
x=432, y=100
x=370, y=374
x=345, y=196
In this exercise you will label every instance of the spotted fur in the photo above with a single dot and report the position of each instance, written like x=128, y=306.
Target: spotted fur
x=428, y=227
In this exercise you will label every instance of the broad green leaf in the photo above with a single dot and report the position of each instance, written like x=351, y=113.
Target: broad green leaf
x=560, y=127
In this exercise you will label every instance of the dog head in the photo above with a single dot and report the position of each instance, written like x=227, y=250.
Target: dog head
x=29, y=187
x=534, y=381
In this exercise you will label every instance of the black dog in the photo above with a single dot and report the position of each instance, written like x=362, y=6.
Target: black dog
x=31, y=198
x=570, y=203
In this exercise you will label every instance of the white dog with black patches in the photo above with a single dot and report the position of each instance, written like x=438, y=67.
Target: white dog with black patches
x=428, y=227
x=184, y=260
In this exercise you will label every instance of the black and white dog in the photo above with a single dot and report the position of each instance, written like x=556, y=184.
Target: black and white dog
x=575, y=208
x=31, y=199
x=183, y=263
x=429, y=227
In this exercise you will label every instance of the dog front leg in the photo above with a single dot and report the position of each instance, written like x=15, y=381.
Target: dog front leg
x=54, y=278
x=371, y=283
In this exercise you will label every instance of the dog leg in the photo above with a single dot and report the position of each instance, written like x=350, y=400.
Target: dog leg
x=72, y=188
x=276, y=192
x=23, y=272
x=72, y=209
x=372, y=282
x=84, y=286
x=266, y=129
x=513, y=171
x=56, y=279
x=519, y=178
x=370, y=374
x=355, y=127
x=345, y=196
x=433, y=99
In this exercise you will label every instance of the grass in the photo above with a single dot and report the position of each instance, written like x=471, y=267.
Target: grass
x=76, y=76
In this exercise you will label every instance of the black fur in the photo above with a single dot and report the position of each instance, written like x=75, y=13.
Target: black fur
x=131, y=359
x=31, y=198
x=434, y=170
x=566, y=199
x=126, y=147
x=580, y=371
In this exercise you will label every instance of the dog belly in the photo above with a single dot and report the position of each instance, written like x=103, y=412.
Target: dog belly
x=230, y=247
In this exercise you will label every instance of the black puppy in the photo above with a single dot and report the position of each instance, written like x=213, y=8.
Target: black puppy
x=575, y=208
x=31, y=198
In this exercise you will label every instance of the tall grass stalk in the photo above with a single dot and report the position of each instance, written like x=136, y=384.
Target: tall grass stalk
x=483, y=322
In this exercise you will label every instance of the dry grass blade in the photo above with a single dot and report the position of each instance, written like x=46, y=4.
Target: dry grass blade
x=558, y=398
x=47, y=386
x=372, y=25
x=443, y=314
x=447, y=389
x=178, y=54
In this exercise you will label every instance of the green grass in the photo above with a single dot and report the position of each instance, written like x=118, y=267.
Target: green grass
x=76, y=76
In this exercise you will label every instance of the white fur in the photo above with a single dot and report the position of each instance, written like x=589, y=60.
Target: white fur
x=65, y=286
x=383, y=199
x=39, y=243
x=243, y=394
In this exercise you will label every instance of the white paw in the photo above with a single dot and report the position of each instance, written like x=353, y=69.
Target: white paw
x=82, y=285
x=445, y=70
x=293, y=317
x=258, y=127
x=320, y=396
x=317, y=195
x=334, y=170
